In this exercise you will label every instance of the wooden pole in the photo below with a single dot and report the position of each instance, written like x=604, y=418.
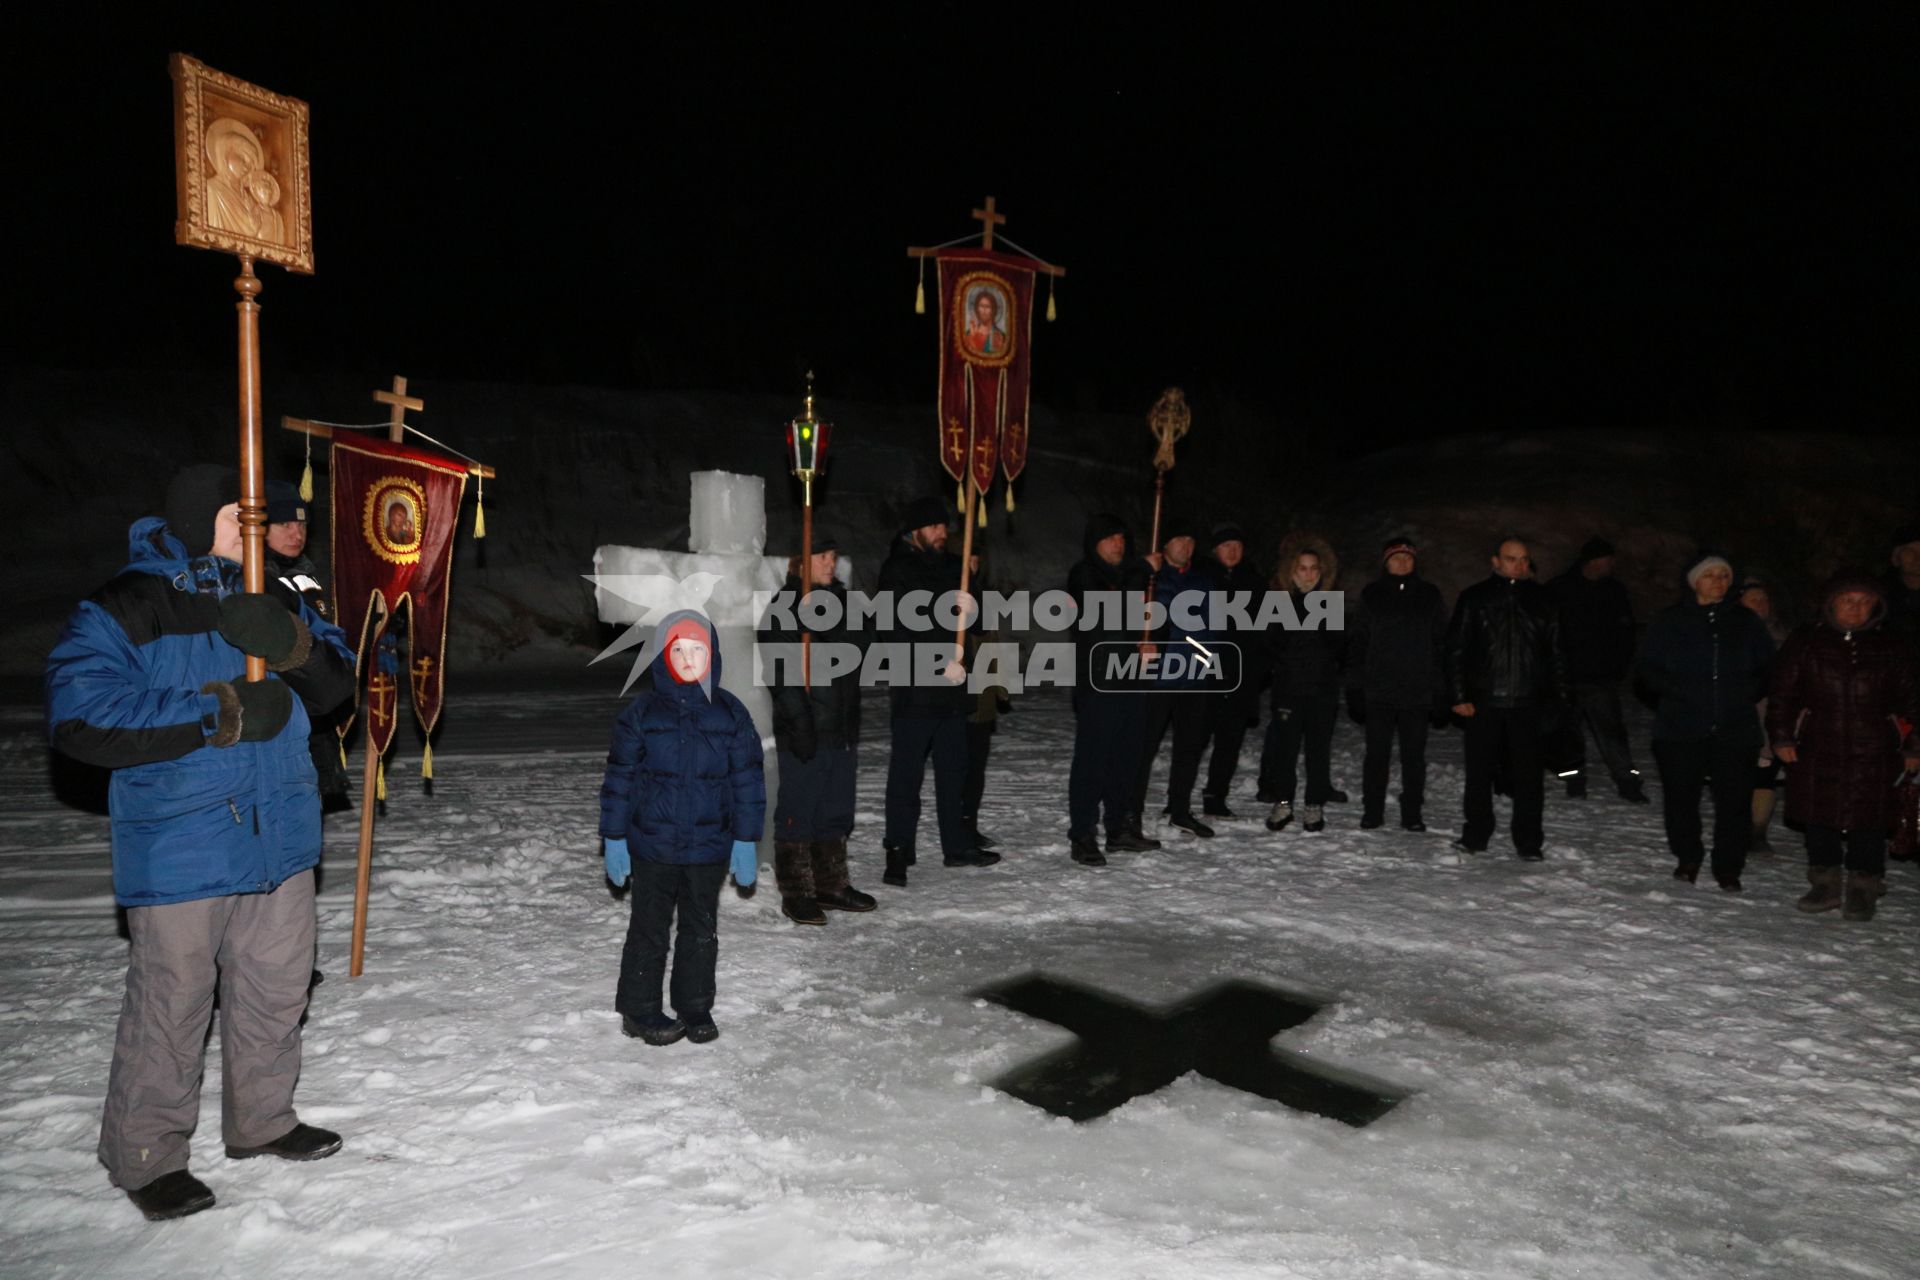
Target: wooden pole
x=369, y=785
x=370, y=771
x=1153, y=544
x=966, y=569
x=253, y=474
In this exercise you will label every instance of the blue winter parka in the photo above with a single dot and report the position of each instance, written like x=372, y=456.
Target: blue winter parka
x=684, y=777
x=190, y=820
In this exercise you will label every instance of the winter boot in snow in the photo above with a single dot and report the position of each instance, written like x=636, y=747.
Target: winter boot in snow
x=1138, y=832
x=1086, y=852
x=898, y=860
x=1215, y=807
x=700, y=1028
x=1863, y=892
x=302, y=1142
x=1688, y=871
x=1372, y=821
x=1763, y=800
x=1825, y=893
x=830, y=887
x=1336, y=796
x=1632, y=790
x=1280, y=815
x=1120, y=839
x=979, y=838
x=654, y=1028
x=1576, y=786
x=1313, y=819
x=171, y=1195
x=1191, y=825
x=793, y=872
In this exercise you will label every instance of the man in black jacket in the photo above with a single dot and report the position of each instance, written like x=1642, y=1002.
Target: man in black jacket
x=1395, y=681
x=1596, y=626
x=928, y=719
x=1109, y=716
x=1231, y=714
x=1707, y=660
x=1505, y=668
x=816, y=726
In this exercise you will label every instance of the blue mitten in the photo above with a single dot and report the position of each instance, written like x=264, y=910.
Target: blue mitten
x=746, y=863
x=619, y=861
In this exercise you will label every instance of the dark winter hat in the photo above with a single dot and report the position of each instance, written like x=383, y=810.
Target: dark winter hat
x=1906, y=533
x=922, y=512
x=1596, y=548
x=283, y=503
x=1226, y=533
x=195, y=498
x=1178, y=526
x=1399, y=543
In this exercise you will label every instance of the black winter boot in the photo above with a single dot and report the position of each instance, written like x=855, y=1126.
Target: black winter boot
x=830, y=888
x=1215, y=807
x=898, y=860
x=1138, y=832
x=1086, y=852
x=1191, y=825
x=793, y=873
x=171, y=1195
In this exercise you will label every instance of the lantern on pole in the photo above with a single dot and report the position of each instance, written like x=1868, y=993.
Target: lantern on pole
x=807, y=451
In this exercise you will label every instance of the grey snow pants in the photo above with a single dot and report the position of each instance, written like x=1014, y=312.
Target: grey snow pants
x=257, y=949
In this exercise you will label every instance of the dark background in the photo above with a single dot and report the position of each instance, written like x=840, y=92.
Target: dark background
x=1370, y=226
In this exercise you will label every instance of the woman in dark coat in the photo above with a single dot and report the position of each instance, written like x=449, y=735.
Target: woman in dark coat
x=1306, y=685
x=1841, y=691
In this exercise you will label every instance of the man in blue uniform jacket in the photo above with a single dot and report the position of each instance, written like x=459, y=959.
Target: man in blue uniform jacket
x=216, y=831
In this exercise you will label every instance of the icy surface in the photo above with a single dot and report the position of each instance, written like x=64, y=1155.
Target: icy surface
x=729, y=514
x=1614, y=1074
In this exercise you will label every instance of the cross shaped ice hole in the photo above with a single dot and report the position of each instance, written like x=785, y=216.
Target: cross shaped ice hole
x=1224, y=1033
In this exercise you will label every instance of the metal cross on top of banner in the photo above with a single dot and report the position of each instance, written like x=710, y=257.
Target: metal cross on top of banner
x=985, y=305
x=395, y=508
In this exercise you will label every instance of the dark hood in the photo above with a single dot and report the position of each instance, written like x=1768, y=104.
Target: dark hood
x=1101, y=526
x=663, y=681
x=1846, y=582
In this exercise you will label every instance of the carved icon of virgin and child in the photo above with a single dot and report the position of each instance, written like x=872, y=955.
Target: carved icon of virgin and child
x=242, y=196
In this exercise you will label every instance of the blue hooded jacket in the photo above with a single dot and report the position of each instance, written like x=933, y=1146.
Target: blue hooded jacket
x=684, y=778
x=190, y=820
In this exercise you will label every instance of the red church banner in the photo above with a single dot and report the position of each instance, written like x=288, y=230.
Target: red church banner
x=986, y=341
x=395, y=508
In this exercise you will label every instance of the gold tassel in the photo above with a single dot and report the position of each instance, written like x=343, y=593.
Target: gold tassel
x=920, y=291
x=1052, y=313
x=380, y=784
x=960, y=497
x=983, y=511
x=343, y=753
x=426, y=762
x=480, y=511
x=1009, y=497
x=306, y=482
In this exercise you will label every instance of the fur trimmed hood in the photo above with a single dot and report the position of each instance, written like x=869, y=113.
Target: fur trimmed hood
x=1297, y=544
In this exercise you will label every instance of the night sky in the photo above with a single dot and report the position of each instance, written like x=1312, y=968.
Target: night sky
x=1373, y=228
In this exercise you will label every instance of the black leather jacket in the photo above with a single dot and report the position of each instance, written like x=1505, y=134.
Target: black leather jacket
x=1503, y=647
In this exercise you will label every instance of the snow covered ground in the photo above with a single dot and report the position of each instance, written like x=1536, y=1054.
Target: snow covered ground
x=1614, y=1075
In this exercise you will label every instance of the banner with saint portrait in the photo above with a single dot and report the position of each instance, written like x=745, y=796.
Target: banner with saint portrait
x=395, y=508
x=986, y=339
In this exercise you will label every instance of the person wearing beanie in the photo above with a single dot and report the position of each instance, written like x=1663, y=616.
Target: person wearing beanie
x=1506, y=674
x=1597, y=628
x=683, y=800
x=1108, y=718
x=1839, y=689
x=1396, y=681
x=816, y=728
x=1231, y=713
x=216, y=834
x=1177, y=695
x=1706, y=660
x=292, y=574
x=928, y=719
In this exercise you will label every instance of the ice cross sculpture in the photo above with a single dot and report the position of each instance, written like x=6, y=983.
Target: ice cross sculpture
x=1125, y=1052
x=724, y=565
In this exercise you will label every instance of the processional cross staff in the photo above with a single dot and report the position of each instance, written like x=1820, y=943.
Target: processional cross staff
x=1169, y=420
x=378, y=685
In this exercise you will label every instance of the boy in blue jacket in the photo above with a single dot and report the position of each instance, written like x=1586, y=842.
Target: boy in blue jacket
x=216, y=831
x=684, y=796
